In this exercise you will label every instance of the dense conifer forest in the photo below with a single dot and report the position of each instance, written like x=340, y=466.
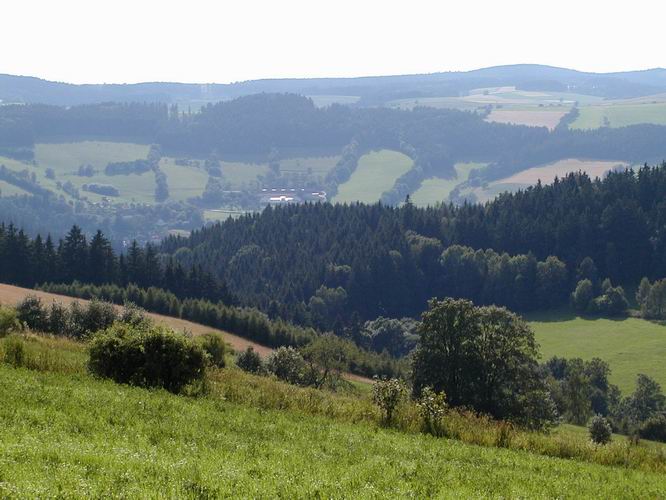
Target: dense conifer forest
x=317, y=263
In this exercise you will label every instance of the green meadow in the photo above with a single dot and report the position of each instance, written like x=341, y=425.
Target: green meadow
x=74, y=436
x=67, y=157
x=620, y=115
x=436, y=190
x=630, y=345
x=376, y=173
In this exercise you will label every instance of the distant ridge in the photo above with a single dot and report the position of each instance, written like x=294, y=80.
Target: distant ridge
x=372, y=90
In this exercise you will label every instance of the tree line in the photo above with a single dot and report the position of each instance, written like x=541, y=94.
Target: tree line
x=28, y=262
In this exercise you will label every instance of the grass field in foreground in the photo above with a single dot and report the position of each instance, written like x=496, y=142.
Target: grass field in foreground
x=437, y=190
x=630, y=346
x=376, y=173
x=75, y=436
x=620, y=115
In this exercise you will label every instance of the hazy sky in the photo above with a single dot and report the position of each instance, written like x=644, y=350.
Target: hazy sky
x=222, y=41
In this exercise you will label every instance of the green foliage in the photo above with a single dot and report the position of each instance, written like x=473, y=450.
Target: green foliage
x=483, y=358
x=31, y=313
x=600, y=430
x=581, y=388
x=396, y=336
x=654, y=428
x=651, y=299
x=287, y=364
x=432, y=406
x=9, y=321
x=582, y=296
x=387, y=394
x=250, y=361
x=612, y=302
x=245, y=322
x=214, y=346
x=647, y=400
x=328, y=356
x=147, y=356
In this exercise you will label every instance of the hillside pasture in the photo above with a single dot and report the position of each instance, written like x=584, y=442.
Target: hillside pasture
x=19, y=166
x=621, y=115
x=184, y=181
x=531, y=117
x=376, y=173
x=73, y=435
x=502, y=98
x=318, y=165
x=322, y=101
x=544, y=173
x=67, y=157
x=547, y=173
x=630, y=345
x=436, y=190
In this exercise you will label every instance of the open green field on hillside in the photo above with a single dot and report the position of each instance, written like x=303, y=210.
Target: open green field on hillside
x=7, y=189
x=509, y=98
x=376, y=173
x=67, y=157
x=320, y=165
x=40, y=173
x=630, y=346
x=437, y=190
x=326, y=100
x=75, y=436
x=184, y=181
x=620, y=115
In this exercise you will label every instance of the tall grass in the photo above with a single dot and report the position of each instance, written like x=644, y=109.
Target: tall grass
x=67, y=436
x=51, y=354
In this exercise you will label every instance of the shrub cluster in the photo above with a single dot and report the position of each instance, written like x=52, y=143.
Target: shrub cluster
x=77, y=321
x=147, y=355
x=600, y=430
x=245, y=322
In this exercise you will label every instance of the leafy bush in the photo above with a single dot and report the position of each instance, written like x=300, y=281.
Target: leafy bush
x=287, y=364
x=213, y=344
x=654, y=428
x=600, y=430
x=58, y=322
x=432, y=407
x=387, y=394
x=582, y=296
x=8, y=321
x=147, y=356
x=89, y=319
x=31, y=313
x=250, y=361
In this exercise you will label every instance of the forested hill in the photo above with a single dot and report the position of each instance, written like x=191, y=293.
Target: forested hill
x=316, y=262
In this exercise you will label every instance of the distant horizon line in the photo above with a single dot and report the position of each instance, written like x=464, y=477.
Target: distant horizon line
x=356, y=77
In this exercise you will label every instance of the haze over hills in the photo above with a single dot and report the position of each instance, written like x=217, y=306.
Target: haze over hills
x=372, y=90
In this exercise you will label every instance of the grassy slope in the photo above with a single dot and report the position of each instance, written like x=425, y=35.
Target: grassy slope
x=66, y=157
x=375, y=174
x=621, y=115
x=630, y=346
x=437, y=190
x=72, y=435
